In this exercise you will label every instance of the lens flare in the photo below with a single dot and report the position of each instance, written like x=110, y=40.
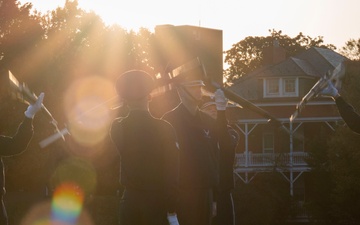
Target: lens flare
x=88, y=106
x=75, y=170
x=65, y=208
x=67, y=203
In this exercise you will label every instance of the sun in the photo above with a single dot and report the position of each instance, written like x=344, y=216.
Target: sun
x=129, y=16
x=141, y=13
x=134, y=14
x=113, y=13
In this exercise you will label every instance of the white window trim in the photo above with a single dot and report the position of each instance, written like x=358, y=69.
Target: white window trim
x=281, y=83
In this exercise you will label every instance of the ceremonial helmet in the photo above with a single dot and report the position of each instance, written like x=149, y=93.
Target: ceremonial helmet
x=134, y=84
x=190, y=74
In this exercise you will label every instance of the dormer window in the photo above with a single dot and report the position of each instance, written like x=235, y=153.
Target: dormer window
x=280, y=87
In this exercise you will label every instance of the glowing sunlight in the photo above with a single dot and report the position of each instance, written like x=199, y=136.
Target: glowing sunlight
x=238, y=19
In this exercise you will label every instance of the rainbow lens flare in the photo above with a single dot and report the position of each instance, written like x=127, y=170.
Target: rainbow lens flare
x=67, y=203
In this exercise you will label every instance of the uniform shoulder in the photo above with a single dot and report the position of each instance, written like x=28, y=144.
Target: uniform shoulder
x=164, y=123
x=116, y=123
x=173, y=113
x=117, y=120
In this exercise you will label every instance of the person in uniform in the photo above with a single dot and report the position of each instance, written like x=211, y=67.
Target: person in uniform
x=14, y=145
x=225, y=214
x=149, y=156
x=202, y=140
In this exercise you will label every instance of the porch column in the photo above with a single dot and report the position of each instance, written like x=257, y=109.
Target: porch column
x=291, y=159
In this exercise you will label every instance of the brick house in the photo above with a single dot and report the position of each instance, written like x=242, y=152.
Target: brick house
x=277, y=88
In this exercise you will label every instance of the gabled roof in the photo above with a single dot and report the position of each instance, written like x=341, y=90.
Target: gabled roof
x=306, y=67
x=289, y=67
x=312, y=63
x=322, y=59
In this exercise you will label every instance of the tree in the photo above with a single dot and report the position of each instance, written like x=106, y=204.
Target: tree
x=352, y=49
x=49, y=52
x=319, y=204
x=248, y=54
x=344, y=152
x=20, y=31
x=265, y=200
x=335, y=176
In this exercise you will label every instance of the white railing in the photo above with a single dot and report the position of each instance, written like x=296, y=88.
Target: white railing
x=271, y=159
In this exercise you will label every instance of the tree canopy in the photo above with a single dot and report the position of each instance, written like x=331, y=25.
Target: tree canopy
x=352, y=49
x=248, y=54
x=334, y=193
x=50, y=52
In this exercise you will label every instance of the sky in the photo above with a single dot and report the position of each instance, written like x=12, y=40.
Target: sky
x=336, y=21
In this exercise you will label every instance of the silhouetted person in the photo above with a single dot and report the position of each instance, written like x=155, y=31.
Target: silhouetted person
x=148, y=156
x=225, y=213
x=14, y=145
x=202, y=141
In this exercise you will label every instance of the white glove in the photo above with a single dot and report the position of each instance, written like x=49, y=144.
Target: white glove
x=172, y=218
x=35, y=107
x=329, y=91
x=220, y=100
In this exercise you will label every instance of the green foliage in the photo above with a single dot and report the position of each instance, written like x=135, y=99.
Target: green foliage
x=49, y=52
x=248, y=54
x=350, y=90
x=344, y=154
x=352, y=49
x=265, y=200
x=319, y=183
x=20, y=33
x=334, y=183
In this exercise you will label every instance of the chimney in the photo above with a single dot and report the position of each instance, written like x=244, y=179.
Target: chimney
x=274, y=54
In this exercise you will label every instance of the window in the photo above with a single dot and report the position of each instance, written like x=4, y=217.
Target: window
x=268, y=143
x=280, y=87
x=273, y=86
x=289, y=87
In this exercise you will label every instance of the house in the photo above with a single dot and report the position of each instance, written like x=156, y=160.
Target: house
x=277, y=88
